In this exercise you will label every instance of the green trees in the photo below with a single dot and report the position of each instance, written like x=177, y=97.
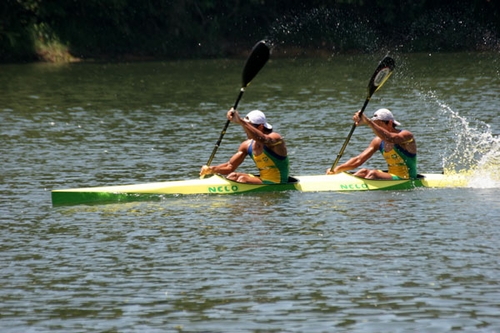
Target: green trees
x=56, y=30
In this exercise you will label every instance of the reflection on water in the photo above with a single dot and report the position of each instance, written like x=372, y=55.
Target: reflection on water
x=422, y=260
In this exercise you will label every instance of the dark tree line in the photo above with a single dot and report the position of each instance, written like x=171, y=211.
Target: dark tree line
x=33, y=29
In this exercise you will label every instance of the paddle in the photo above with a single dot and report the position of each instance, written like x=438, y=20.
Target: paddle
x=256, y=60
x=382, y=73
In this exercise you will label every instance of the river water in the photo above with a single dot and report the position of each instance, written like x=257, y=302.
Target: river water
x=425, y=260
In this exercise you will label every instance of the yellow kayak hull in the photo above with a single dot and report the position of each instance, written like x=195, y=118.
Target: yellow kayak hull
x=219, y=185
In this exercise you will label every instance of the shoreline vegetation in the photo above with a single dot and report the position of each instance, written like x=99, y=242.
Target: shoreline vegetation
x=62, y=31
x=59, y=54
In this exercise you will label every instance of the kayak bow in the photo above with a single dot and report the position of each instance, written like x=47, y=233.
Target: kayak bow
x=220, y=185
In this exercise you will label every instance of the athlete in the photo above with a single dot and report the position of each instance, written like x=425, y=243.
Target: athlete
x=265, y=147
x=397, y=146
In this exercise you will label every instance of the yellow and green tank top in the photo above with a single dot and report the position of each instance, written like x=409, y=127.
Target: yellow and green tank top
x=401, y=163
x=274, y=169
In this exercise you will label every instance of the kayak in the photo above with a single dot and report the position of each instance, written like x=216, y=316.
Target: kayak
x=219, y=185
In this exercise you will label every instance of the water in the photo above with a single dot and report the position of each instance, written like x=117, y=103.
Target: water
x=399, y=261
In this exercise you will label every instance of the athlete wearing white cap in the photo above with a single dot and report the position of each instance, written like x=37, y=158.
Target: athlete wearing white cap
x=266, y=147
x=397, y=146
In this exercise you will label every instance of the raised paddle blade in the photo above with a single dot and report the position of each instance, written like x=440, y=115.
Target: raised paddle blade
x=381, y=74
x=255, y=61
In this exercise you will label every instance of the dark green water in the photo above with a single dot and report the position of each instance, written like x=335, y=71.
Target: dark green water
x=408, y=261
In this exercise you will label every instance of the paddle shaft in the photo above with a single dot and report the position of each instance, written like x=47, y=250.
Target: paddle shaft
x=339, y=156
x=382, y=73
x=223, y=132
x=256, y=60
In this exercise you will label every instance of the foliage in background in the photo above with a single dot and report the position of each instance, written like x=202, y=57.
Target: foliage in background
x=62, y=30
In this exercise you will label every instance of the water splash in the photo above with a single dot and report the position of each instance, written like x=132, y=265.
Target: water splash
x=332, y=30
x=340, y=29
x=473, y=152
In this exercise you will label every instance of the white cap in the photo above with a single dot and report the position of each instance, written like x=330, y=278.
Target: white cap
x=257, y=117
x=385, y=115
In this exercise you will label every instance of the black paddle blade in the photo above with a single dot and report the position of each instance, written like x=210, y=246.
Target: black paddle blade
x=382, y=73
x=256, y=60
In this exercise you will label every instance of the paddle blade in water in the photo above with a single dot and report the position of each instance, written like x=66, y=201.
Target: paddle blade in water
x=382, y=73
x=256, y=60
